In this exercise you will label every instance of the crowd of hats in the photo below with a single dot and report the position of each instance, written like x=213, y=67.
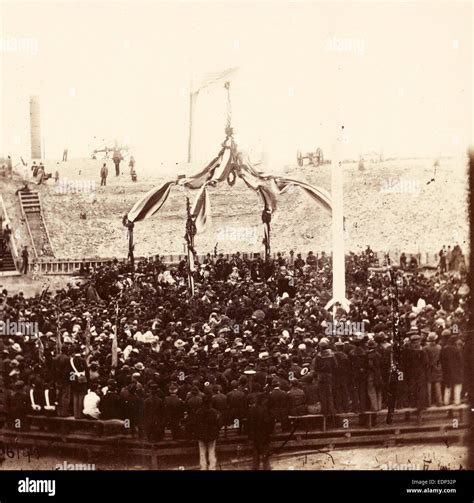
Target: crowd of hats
x=233, y=322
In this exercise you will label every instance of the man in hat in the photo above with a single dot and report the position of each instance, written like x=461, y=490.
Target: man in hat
x=78, y=378
x=414, y=368
x=358, y=359
x=374, y=376
x=111, y=405
x=278, y=405
x=207, y=432
x=153, y=415
x=296, y=399
x=311, y=259
x=260, y=428
x=193, y=404
x=324, y=366
x=17, y=406
x=299, y=262
x=62, y=374
x=25, y=260
x=237, y=404
x=341, y=379
x=435, y=372
x=219, y=402
x=174, y=412
x=452, y=363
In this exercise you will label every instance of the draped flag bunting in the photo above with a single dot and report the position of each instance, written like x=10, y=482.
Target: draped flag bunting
x=201, y=209
x=150, y=203
x=225, y=167
x=321, y=196
x=228, y=165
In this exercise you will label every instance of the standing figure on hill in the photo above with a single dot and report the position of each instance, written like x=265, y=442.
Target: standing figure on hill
x=40, y=177
x=25, y=256
x=403, y=261
x=9, y=172
x=442, y=260
x=34, y=169
x=65, y=155
x=117, y=158
x=104, y=171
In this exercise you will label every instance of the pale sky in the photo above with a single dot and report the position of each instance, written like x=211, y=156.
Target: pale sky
x=397, y=75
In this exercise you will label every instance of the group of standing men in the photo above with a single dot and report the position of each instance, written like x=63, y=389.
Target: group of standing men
x=117, y=158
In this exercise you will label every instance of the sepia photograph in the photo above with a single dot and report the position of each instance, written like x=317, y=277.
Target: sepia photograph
x=234, y=236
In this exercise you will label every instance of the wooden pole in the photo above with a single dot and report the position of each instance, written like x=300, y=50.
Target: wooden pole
x=190, y=233
x=192, y=101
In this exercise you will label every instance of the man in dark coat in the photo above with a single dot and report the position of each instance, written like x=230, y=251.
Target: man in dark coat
x=341, y=379
x=434, y=372
x=296, y=399
x=153, y=415
x=278, y=405
x=111, y=405
x=219, y=402
x=207, y=431
x=174, y=412
x=374, y=376
x=193, y=404
x=260, y=428
x=358, y=359
x=415, y=367
x=452, y=363
x=62, y=378
x=324, y=366
x=25, y=259
x=17, y=406
x=78, y=379
x=237, y=405
x=104, y=172
x=117, y=157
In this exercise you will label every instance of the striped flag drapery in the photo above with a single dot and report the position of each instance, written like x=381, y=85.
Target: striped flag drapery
x=201, y=209
x=228, y=162
x=150, y=203
x=196, y=181
x=321, y=196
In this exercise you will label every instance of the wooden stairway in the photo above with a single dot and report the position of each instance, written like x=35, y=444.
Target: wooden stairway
x=32, y=212
x=7, y=263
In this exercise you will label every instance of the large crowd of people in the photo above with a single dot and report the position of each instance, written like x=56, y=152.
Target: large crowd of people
x=253, y=347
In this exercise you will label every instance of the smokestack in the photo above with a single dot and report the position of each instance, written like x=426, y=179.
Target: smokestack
x=35, y=127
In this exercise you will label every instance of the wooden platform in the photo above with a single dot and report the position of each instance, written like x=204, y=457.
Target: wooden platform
x=92, y=439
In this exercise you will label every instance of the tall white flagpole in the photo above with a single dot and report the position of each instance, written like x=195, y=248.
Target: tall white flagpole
x=338, y=255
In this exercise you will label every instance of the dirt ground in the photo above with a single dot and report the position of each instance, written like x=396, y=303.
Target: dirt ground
x=408, y=457
x=416, y=215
